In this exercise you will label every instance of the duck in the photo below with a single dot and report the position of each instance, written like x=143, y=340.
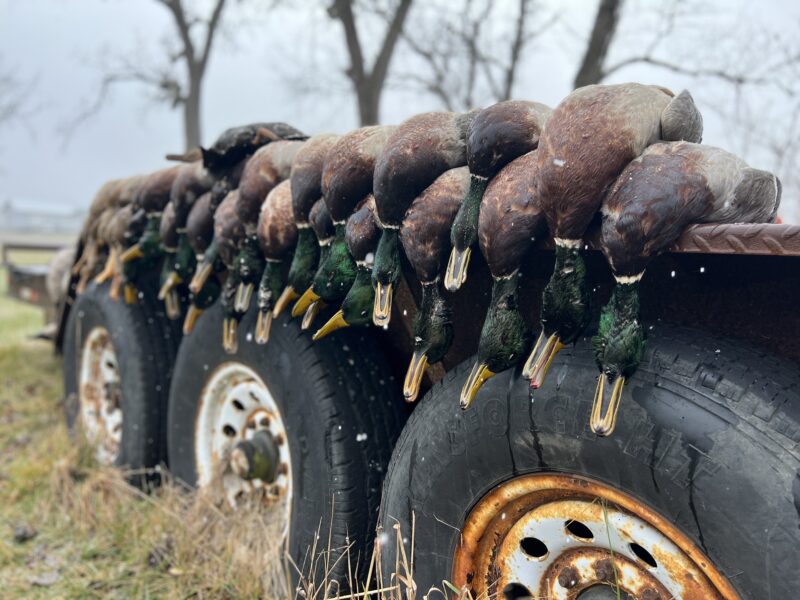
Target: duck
x=228, y=234
x=199, y=233
x=265, y=169
x=193, y=181
x=658, y=195
x=118, y=228
x=511, y=220
x=346, y=181
x=589, y=139
x=321, y=223
x=277, y=236
x=168, y=235
x=306, y=182
x=152, y=197
x=418, y=151
x=104, y=197
x=224, y=183
x=361, y=236
x=237, y=143
x=499, y=134
x=425, y=237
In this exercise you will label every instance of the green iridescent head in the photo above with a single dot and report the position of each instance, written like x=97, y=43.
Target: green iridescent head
x=566, y=298
x=620, y=339
x=385, y=274
x=337, y=272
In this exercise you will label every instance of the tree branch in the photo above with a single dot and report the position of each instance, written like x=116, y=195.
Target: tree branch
x=381, y=66
x=211, y=30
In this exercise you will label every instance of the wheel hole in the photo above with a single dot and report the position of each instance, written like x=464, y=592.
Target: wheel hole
x=578, y=530
x=238, y=405
x=533, y=547
x=515, y=590
x=110, y=365
x=228, y=430
x=643, y=555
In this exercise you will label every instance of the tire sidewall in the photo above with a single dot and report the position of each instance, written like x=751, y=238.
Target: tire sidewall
x=140, y=446
x=683, y=452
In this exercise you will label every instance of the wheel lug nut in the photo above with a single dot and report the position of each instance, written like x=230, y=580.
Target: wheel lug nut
x=568, y=577
x=604, y=570
x=650, y=594
x=279, y=439
x=264, y=422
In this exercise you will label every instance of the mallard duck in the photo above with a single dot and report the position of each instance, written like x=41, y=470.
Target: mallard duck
x=669, y=187
x=590, y=137
x=168, y=235
x=270, y=165
x=346, y=181
x=199, y=233
x=228, y=235
x=499, y=134
x=419, y=150
x=237, y=143
x=306, y=181
x=210, y=262
x=193, y=181
x=322, y=225
x=277, y=236
x=425, y=235
x=361, y=235
x=152, y=197
x=511, y=220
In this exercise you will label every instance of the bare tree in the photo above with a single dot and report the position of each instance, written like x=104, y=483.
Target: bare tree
x=591, y=69
x=178, y=81
x=368, y=83
x=15, y=96
x=471, y=52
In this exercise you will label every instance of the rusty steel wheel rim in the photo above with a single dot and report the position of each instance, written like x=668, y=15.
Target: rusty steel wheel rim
x=236, y=405
x=100, y=396
x=557, y=536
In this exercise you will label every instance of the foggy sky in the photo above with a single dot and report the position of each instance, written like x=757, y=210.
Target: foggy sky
x=56, y=43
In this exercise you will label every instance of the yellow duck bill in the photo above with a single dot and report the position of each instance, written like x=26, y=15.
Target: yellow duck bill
x=541, y=358
x=311, y=314
x=337, y=321
x=244, y=292
x=172, y=281
x=229, y=341
x=172, y=305
x=287, y=295
x=416, y=369
x=200, y=277
x=479, y=375
x=131, y=254
x=129, y=293
x=108, y=269
x=191, y=319
x=605, y=410
x=456, y=274
x=263, y=325
x=307, y=299
x=382, y=310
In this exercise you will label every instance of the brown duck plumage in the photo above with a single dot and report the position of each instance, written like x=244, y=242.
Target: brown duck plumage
x=228, y=228
x=200, y=224
x=167, y=229
x=362, y=231
x=270, y=165
x=425, y=233
x=192, y=181
x=511, y=216
x=155, y=191
x=348, y=170
x=673, y=185
x=592, y=135
x=277, y=232
x=307, y=175
x=320, y=220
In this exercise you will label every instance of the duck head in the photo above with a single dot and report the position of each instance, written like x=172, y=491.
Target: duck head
x=565, y=310
x=464, y=233
x=618, y=348
x=356, y=307
x=335, y=275
x=249, y=265
x=269, y=288
x=302, y=269
x=385, y=274
x=504, y=338
x=201, y=301
x=179, y=267
x=310, y=303
x=433, y=336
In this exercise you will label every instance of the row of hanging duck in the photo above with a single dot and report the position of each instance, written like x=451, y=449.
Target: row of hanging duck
x=342, y=209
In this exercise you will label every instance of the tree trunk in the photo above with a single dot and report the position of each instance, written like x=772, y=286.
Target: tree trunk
x=369, y=101
x=605, y=26
x=191, y=116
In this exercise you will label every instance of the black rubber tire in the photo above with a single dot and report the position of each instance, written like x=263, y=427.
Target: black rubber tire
x=707, y=435
x=145, y=346
x=328, y=393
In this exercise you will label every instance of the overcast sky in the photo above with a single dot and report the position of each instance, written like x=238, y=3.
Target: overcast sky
x=56, y=44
